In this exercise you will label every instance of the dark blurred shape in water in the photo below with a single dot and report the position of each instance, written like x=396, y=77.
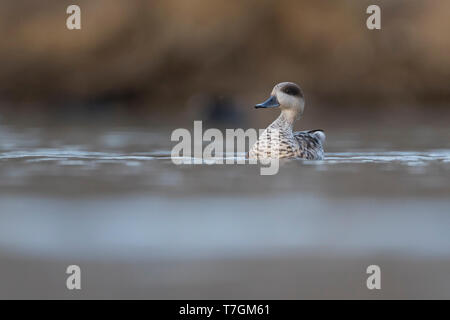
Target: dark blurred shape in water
x=217, y=110
x=222, y=109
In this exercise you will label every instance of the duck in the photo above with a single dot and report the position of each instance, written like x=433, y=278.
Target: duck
x=279, y=140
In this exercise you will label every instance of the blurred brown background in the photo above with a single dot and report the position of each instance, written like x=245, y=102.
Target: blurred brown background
x=145, y=54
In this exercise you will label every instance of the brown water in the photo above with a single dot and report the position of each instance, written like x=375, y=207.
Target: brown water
x=110, y=200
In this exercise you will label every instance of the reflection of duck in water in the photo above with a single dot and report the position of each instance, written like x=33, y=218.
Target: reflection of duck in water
x=278, y=140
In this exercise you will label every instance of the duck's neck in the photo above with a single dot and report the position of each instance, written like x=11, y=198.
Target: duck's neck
x=286, y=120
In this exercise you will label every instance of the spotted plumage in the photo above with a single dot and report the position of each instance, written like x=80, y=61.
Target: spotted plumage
x=279, y=140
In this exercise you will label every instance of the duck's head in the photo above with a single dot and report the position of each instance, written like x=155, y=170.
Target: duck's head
x=288, y=97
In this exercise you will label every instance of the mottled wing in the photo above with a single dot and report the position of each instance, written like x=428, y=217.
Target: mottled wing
x=310, y=144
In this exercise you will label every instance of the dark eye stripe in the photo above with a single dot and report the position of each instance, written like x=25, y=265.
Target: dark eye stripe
x=292, y=91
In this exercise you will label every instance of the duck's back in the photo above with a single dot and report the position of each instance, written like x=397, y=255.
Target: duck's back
x=310, y=144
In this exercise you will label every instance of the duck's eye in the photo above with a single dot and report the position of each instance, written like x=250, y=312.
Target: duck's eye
x=292, y=91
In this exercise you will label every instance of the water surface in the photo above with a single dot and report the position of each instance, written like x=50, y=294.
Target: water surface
x=111, y=200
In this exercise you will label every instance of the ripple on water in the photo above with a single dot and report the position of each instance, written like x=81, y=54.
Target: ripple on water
x=80, y=157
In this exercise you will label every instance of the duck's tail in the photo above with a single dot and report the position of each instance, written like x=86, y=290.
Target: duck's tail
x=319, y=134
